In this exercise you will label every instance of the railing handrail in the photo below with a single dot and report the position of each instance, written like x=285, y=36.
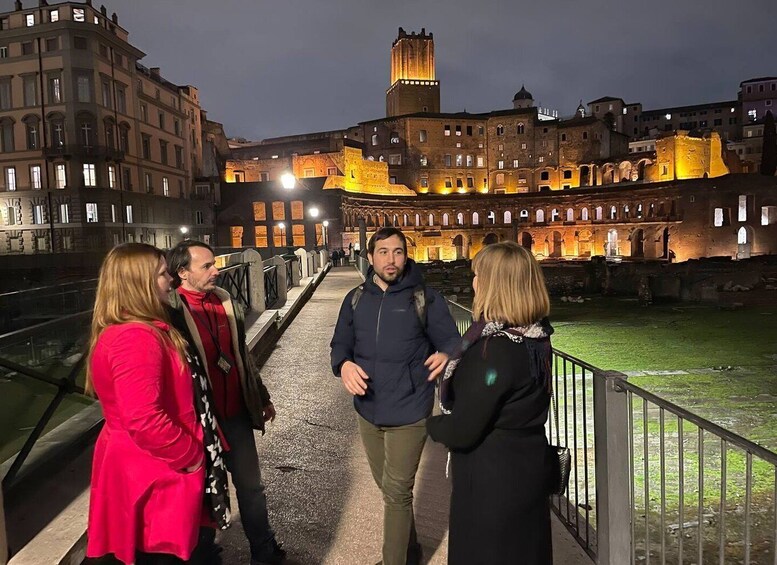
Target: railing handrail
x=39, y=288
x=31, y=329
x=703, y=423
x=233, y=267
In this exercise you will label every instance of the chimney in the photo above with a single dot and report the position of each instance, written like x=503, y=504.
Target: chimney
x=18, y=5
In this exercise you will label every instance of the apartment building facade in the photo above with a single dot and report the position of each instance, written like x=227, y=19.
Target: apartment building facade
x=95, y=148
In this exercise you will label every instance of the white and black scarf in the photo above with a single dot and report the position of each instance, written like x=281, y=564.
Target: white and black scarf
x=216, y=482
x=537, y=339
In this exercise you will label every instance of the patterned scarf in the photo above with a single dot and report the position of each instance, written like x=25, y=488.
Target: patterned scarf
x=216, y=484
x=536, y=336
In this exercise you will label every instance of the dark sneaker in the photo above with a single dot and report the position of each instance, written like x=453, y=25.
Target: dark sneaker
x=276, y=556
x=414, y=554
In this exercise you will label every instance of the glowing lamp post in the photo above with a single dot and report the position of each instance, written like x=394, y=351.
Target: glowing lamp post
x=288, y=181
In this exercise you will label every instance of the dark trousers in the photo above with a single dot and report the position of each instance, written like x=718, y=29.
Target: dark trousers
x=243, y=465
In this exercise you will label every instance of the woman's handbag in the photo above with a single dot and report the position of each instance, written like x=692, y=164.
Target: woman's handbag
x=558, y=462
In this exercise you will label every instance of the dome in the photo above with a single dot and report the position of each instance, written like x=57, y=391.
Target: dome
x=523, y=94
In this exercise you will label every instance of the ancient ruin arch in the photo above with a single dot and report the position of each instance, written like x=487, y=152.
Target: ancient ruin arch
x=611, y=246
x=637, y=243
x=556, y=245
x=525, y=240
x=490, y=238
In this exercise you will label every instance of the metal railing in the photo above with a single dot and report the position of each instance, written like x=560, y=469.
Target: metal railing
x=270, y=285
x=362, y=264
x=290, y=272
x=41, y=359
x=23, y=308
x=235, y=280
x=652, y=481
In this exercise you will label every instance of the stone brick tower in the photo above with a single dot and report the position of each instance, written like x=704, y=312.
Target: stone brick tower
x=413, y=85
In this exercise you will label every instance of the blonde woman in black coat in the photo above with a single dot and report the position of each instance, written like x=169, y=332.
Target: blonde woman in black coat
x=495, y=395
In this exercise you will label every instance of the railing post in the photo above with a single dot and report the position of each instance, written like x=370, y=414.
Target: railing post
x=255, y=279
x=302, y=257
x=611, y=440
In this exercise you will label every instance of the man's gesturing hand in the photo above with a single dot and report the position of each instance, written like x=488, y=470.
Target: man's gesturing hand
x=353, y=378
x=436, y=363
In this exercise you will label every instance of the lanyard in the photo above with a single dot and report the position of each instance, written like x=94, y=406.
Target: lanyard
x=209, y=324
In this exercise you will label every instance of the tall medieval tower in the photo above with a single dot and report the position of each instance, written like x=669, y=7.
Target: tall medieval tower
x=413, y=85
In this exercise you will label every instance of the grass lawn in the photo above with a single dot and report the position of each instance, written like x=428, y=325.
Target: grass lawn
x=729, y=357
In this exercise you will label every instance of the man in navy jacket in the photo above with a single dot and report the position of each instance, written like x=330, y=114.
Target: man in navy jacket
x=392, y=339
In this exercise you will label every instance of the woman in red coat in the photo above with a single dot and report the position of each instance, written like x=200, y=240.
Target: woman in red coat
x=149, y=469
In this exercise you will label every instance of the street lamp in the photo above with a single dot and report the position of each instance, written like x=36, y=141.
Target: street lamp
x=325, y=226
x=288, y=180
x=184, y=231
x=314, y=212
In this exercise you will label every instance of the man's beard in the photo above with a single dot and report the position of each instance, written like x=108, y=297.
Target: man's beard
x=395, y=278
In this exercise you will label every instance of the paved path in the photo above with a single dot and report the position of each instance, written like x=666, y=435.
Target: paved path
x=323, y=503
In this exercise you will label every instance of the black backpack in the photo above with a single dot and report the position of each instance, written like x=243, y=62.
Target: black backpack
x=419, y=298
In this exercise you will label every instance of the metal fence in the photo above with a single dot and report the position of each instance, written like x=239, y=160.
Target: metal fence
x=235, y=280
x=652, y=482
x=19, y=309
x=290, y=272
x=270, y=285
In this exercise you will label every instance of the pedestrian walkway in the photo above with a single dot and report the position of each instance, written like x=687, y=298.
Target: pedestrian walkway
x=323, y=502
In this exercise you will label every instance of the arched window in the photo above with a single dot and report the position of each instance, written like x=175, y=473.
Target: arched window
x=475, y=219
x=508, y=217
x=460, y=218
x=554, y=215
x=491, y=218
x=570, y=215
x=584, y=214
x=418, y=219
x=500, y=129
x=524, y=214
x=540, y=216
x=110, y=133
x=742, y=236
x=445, y=219
x=599, y=212
x=613, y=212
x=521, y=129
x=404, y=219
x=626, y=211
x=431, y=219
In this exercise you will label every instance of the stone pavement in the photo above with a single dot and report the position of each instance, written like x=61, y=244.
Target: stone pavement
x=323, y=502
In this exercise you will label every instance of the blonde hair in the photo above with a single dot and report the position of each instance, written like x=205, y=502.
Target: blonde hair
x=510, y=288
x=127, y=292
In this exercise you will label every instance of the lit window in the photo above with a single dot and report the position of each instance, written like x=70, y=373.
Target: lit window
x=668, y=116
x=480, y=161
x=768, y=215
x=61, y=176
x=718, y=219
x=374, y=140
x=111, y=176
x=165, y=186
x=90, y=174
x=447, y=131
x=30, y=19
x=79, y=15
x=10, y=178
x=53, y=15
x=128, y=210
x=91, y=212
x=35, y=177
x=742, y=216
x=37, y=214
x=422, y=136
x=424, y=161
x=742, y=236
x=500, y=164
x=64, y=214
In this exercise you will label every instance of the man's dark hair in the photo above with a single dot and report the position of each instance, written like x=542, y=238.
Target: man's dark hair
x=385, y=233
x=179, y=258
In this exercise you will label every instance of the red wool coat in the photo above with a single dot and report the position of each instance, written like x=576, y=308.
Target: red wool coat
x=141, y=499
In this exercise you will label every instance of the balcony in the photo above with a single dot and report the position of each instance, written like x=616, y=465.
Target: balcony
x=82, y=152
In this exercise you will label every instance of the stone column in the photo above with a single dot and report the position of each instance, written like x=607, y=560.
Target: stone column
x=362, y=234
x=323, y=257
x=255, y=279
x=302, y=258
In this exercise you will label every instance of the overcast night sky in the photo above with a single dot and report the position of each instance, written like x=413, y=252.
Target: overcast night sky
x=269, y=68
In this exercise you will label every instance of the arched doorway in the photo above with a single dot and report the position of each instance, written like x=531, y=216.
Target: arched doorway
x=638, y=243
x=611, y=247
x=490, y=238
x=585, y=175
x=744, y=242
x=458, y=243
x=525, y=240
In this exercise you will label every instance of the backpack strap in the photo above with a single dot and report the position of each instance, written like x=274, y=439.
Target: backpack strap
x=357, y=294
x=419, y=298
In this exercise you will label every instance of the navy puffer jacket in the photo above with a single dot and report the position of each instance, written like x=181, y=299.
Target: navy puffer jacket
x=386, y=338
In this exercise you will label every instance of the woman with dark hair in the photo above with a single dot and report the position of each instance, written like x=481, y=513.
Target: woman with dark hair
x=159, y=444
x=495, y=395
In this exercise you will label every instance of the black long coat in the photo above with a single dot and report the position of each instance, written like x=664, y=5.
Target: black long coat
x=500, y=513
